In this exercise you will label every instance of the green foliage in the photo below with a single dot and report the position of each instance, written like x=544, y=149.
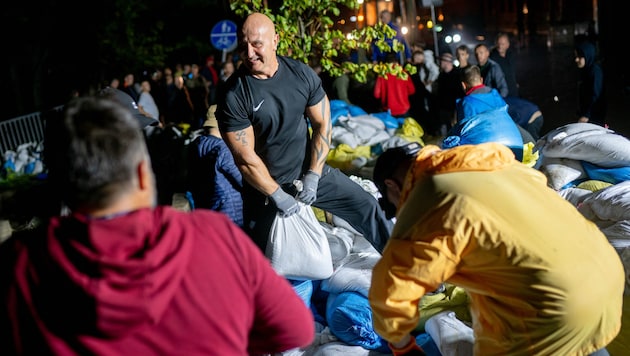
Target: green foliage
x=133, y=37
x=307, y=33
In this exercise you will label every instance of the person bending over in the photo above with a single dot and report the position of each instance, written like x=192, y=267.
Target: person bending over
x=542, y=279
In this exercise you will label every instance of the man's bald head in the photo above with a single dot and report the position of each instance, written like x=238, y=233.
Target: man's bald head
x=259, y=42
x=258, y=20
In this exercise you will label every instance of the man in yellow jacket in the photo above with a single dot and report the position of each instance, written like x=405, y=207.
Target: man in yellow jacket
x=542, y=279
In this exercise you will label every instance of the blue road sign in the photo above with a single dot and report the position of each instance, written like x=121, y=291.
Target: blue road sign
x=223, y=35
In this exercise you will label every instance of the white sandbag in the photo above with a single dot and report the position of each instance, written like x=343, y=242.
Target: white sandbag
x=575, y=195
x=597, y=147
x=340, y=241
x=569, y=129
x=341, y=223
x=624, y=254
x=369, y=129
x=298, y=246
x=561, y=171
x=394, y=141
x=576, y=127
x=343, y=135
x=354, y=274
x=618, y=233
x=611, y=203
x=452, y=336
x=340, y=348
x=361, y=244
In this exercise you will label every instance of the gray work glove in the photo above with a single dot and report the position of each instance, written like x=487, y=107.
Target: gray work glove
x=284, y=202
x=310, y=180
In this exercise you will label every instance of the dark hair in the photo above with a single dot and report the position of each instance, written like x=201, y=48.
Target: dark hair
x=92, y=152
x=386, y=165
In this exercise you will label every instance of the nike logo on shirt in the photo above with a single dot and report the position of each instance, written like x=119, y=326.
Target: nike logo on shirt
x=258, y=106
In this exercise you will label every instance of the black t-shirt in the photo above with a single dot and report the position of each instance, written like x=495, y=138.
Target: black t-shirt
x=275, y=109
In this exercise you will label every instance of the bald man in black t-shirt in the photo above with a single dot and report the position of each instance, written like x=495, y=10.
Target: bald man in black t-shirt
x=264, y=116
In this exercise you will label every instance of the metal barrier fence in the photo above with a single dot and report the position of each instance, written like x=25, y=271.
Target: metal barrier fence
x=21, y=130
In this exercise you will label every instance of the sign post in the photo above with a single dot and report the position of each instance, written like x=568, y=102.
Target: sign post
x=432, y=4
x=223, y=37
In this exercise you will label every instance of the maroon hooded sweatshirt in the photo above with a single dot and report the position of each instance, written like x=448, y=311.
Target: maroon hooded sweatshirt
x=154, y=281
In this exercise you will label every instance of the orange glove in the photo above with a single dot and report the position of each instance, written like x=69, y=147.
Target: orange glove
x=411, y=349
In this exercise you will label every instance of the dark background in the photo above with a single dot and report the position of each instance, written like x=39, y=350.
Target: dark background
x=53, y=48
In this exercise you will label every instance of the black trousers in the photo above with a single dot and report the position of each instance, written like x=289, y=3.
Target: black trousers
x=336, y=194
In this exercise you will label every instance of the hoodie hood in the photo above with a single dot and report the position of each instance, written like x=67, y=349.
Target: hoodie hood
x=588, y=51
x=432, y=160
x=109, y=276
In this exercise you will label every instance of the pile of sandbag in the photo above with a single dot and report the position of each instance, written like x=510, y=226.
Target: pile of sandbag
x=358, y=137
x=578, y=152
x=26, y=159
x=341, y=308
x=589, y=165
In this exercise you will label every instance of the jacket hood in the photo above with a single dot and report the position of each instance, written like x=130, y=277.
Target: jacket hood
x=109, y=276
x=486, y=99
x=432, y=160
x=588, y=51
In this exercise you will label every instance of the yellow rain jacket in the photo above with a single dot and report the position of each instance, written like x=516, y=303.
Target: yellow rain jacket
x=542, y=279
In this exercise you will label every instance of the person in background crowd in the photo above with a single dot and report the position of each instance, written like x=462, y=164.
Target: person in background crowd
x=505, y=57
x=180, y=108
x=214, y=181
x=482, y=116
x=462, y=53
x=394, y=92
x=145, y=121
x=130, y=87
x=160, y=80
x=114, y=83
x=146, y=101
x=264, y=119
x=541, y=278
x=227, y=69
x=591, y=98
x=197, y=87
x=446, y=90
x=210, y=73
x=491, y=71
x=386, y=17
x=421, y=100
x=118, y=275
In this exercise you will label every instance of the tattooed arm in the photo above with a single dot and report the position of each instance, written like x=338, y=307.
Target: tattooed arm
x=319, y=115
x=254, y=171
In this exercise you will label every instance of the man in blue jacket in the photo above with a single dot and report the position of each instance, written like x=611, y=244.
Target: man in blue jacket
x=482, y=117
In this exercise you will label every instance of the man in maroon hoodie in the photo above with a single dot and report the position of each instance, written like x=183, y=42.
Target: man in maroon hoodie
x=118, y=275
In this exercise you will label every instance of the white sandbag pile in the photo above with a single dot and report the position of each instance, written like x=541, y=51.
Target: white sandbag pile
x=578, y=153
x=609, y=209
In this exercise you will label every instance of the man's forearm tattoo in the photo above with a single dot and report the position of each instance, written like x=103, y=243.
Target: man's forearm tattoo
x=325, y=137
